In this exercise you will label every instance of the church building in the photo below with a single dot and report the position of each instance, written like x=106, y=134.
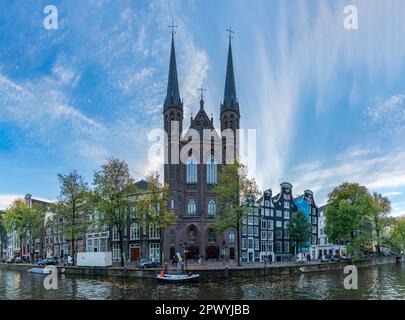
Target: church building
x=191, y=169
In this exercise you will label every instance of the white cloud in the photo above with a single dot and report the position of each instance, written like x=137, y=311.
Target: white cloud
x=7, y=199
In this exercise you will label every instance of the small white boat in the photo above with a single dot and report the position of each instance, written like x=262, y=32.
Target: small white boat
x=178, y=277
x=40, y=270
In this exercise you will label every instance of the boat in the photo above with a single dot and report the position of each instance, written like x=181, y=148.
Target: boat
x=177, y=277
x=40, y=270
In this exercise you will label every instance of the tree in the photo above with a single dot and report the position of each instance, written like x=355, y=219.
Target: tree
x=35, y=225
x=3, y=234
x=153, y=206
x=381, y=206
x=347, y=214
x=398, y=233
x=17, y=218
x=299, y=229
x=113, y=197
x=232, y=189
x=73, y=207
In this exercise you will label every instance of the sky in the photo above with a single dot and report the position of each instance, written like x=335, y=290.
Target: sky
x=327, y=103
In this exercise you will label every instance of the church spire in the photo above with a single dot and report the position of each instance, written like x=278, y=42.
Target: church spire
x=230, y=100
x=173, y=93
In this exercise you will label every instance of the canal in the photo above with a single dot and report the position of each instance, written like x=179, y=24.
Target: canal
x=379, y=282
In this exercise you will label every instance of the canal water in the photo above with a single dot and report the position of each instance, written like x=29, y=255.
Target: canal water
x=380, y=282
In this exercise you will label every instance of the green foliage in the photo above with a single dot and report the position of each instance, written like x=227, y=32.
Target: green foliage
x=379, y=219
x=299, y=229
x=73, y=206
x=347, y=212
x=398, y=234
x=113, y=197
x=3, y=233
x=232, y=189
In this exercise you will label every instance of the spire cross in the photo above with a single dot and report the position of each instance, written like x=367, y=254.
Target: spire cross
x=202, y=90
x=230, y=32
x=173, y=26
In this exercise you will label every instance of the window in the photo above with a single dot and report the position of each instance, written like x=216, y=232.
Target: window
x=286, y=234
x=256, y=230
x=270, y=225
x=266, y=203
x=279, y=224
x=314, y=240
x=314, y=229
x=116, y=252
x=279, y=213
x=244, y=255
x=212, y=207
x=212, y=238
x=270, y=247
x=154, y=251
x=264, y=246
x=212, y=171
x=279, y=234
x=231, y=237
x=271, y=212
x=314, y=220
x=286, y=224
x=286, y=205
x=264, y=235
x=256, y=221
x=286, y=214
x=250, y=243
x=250, y=231
x=244, y=231
x=314, y=211
x=266, y=212
x=154, y=232
x=135, y=231
x=244, y=243
x=270, y=235
x=191, y=208
x=256, y=244
x=191, y=170
x=278, y=246
x=115, y=233
x=286, y=246
x=172, y=204
x=250, y=220
x=264, y=224
x=103, y=244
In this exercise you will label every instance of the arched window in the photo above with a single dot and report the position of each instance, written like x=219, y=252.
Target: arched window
x=212, y=207
x=231, y=237
x=191, y=208
x=212, y=238
x=135, y=231
x=212, y=175
x=191, y=170
x=115, y=233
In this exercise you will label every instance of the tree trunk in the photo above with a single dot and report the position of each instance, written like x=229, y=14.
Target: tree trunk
x=122, y=248
x=161, y=247
x=238, y=242
x=378, y=241
x=73, y=251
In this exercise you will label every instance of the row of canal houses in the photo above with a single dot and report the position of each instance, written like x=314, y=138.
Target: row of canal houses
x=264, y=234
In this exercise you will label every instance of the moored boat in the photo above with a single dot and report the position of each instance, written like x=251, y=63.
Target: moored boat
x=177, y=277
x=40, y=270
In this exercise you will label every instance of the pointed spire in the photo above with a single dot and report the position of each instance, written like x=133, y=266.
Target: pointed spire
x=230, y=100
x=173, y=93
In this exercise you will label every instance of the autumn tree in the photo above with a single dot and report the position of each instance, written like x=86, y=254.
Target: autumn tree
x=73, y=207
x=233, y=188
x=113, y=197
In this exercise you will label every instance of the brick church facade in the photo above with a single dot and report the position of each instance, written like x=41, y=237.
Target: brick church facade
x=191, y=169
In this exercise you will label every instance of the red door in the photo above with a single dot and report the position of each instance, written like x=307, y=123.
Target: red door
x=134, y=254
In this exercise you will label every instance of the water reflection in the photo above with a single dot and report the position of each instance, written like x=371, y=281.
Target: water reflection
x=382, y=282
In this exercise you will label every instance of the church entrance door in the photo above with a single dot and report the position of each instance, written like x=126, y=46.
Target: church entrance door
x=212, y=252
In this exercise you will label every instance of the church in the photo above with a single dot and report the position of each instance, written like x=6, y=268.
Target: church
x=191, y=169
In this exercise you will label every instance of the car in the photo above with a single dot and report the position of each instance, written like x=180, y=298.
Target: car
x=48, y=262
x=148, y=263
x=346, y=257
x=336, y=258
x=325, y=258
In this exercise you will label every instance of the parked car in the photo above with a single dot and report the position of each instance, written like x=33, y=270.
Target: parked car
x=48, y=262
x=346, y=257
x=325, y=258
x=336, y=258
x=17, y=260
x=148, y=263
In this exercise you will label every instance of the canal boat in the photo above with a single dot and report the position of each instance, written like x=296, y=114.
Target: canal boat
x=40, y=270
x=178, y=277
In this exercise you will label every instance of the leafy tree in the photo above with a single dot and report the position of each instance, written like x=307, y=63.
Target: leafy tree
x=381, y=206
x=153, y=207
x=3, y=234
x=398, y=233
x=233, y=187
x=113, y=197
x=35, y=225
x=73, y=207
x=299, y=229
x=17, y=218
x=347, y=214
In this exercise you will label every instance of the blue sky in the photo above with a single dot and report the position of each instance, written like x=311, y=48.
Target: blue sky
x=328, y=103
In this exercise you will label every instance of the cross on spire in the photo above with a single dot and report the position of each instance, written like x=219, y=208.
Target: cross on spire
x=230, y=32
x=172, y=26
x=202, y=90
